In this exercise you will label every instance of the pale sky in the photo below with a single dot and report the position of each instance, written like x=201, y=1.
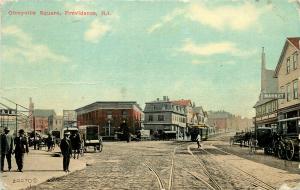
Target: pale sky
x=206, y=51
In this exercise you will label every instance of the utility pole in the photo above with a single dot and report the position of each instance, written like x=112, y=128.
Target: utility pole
x=34, y=137
x=16, y=118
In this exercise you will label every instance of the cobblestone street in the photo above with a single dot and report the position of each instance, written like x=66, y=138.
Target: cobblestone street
x=171, y=165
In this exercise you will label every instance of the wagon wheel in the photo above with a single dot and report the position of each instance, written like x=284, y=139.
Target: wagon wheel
x=289, y=150
x=281, y=150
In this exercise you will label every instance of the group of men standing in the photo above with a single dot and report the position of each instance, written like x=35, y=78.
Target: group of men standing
x=9, y=146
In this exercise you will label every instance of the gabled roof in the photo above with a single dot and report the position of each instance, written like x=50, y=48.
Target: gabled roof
x=294, y=41
x=183, y=102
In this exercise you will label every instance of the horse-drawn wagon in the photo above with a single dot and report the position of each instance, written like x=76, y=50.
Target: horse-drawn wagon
x=90, y=135
x=281, y=142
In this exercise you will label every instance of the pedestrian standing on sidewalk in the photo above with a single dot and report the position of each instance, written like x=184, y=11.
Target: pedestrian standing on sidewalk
x=198, y=139
x=7, y=144
x=126, y=134
x=66, y=151
x=21, y=146
x=49, y=141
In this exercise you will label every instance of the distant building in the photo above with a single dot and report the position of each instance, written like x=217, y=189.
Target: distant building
x=221, y=120
x=165, y=117
x=187, y=104
x=109, y=115
x=55, y=122
x=69, y=118
x=199, y=117
x=40, y=119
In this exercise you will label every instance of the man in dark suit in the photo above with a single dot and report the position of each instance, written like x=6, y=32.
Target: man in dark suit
x=66, y=151
x=125, y=129
x=7, y=144
x=21, y=146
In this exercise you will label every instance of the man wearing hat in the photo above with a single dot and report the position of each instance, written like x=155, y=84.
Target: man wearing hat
x=21, y=146
x=7, y=144
x=66, y=151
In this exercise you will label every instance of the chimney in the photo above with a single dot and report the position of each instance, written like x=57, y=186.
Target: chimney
x=165, y=98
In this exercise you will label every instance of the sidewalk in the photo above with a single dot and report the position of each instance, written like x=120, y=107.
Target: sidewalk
x=39, y=166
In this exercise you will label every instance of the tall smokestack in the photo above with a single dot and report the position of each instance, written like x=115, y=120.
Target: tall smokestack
x=31, y=110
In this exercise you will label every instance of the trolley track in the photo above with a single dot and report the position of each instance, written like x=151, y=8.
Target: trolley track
x=159, y=180
x=171, y=176
x=256, y=182
x=215, y=184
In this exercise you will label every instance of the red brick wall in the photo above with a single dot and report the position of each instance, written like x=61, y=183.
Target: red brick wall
x=41, y=123
x=99, y=117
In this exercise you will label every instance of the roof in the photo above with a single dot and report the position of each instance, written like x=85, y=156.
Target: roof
x=182, y=102
x=109, y=105
x=43, y=112
x=262, y=101
x=294, y=41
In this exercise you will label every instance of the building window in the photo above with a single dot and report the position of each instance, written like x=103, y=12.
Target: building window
x=150, y=118
x=295, y=89
x=160, y=118
x=274, y=105
x=281, y=91
x=109, y=114
x=288, y=65
x=263, y=109
x=288, y=92
x=258, y=111
x=124, y=114
x=269, y=108
x=295, y=61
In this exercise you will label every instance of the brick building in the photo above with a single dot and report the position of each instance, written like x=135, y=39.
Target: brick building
x=109, y=116
x=40, y=119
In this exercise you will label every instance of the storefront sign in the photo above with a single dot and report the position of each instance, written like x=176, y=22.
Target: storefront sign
x=273, y=95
